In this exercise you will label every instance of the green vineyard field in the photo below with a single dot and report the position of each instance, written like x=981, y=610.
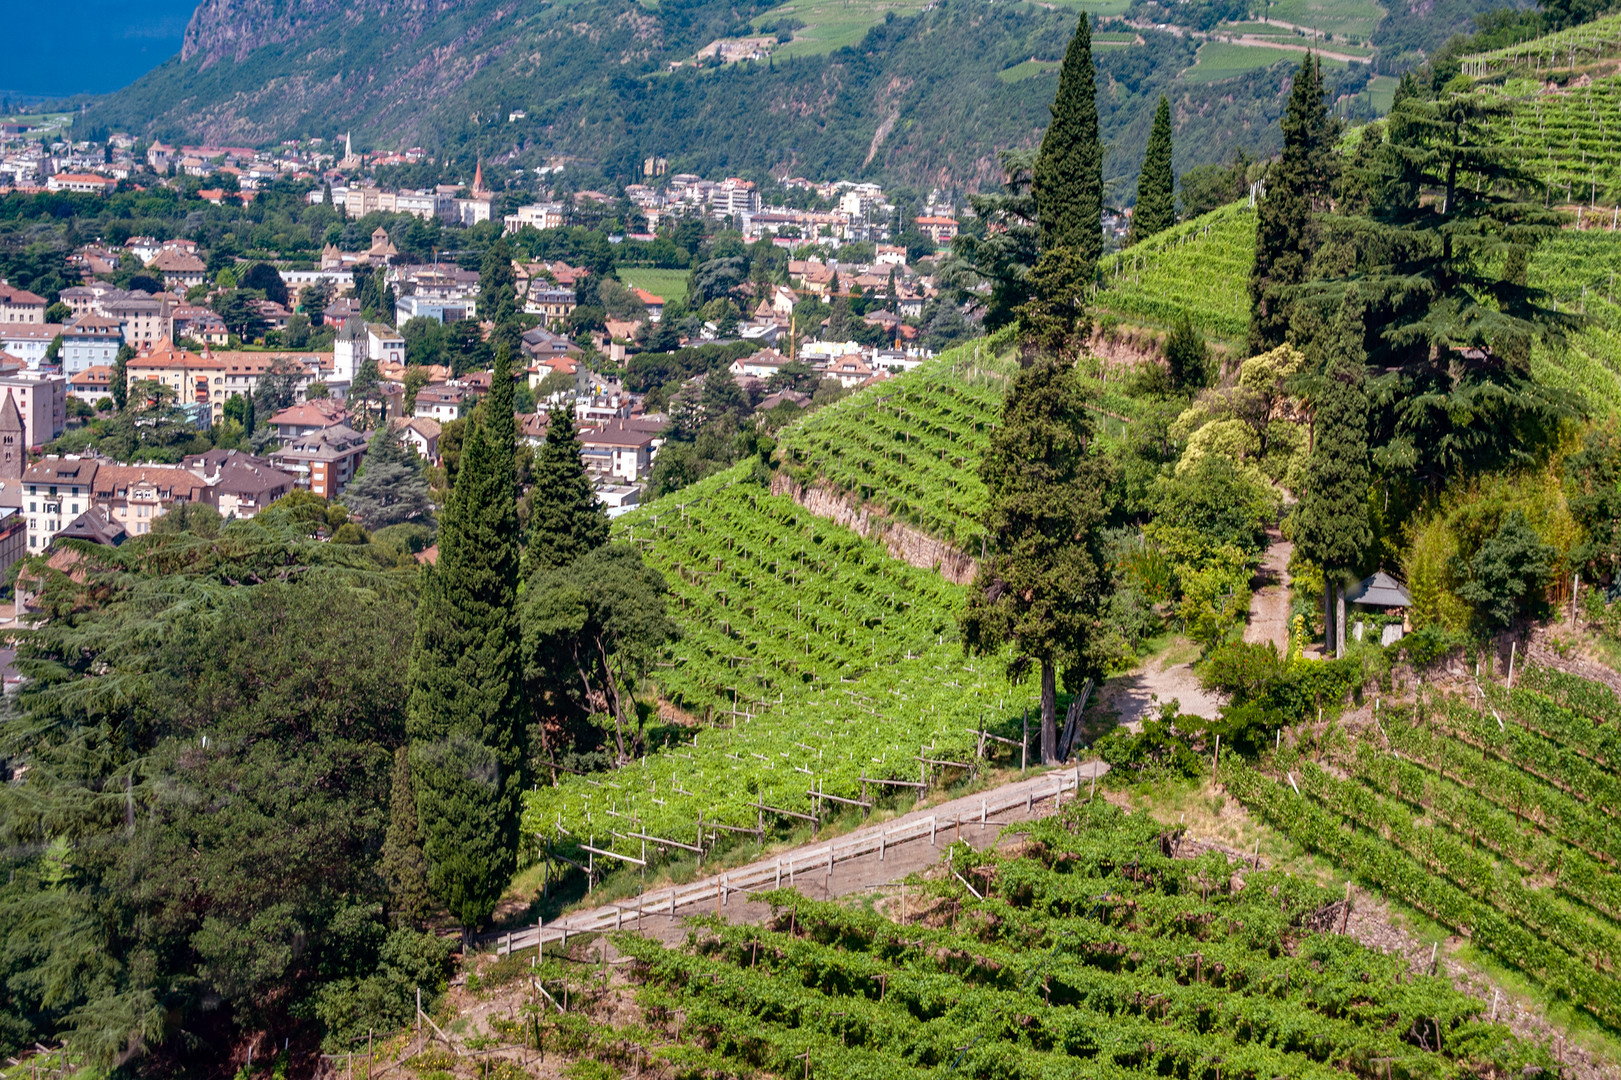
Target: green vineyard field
x=1200, y=267
x=1094, y=953
x=1494, y=816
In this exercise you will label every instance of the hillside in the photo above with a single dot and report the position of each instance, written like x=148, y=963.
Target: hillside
x=921, y=94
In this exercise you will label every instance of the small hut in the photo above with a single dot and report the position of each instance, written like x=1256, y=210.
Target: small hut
x=1385, y=593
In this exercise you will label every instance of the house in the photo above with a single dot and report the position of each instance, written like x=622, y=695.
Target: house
x=199, y=324
x=654, y=304
x=20, y=305
x=136, y=495
x=41, y=400
x=850, y=370
x=13, y=537
x=554, y=304
x=532, y=427
x=417, y=306
x=536, y=216
x=92, y=384
x=762, y=365
x=542, y=344
x=89, y=341
x=195, y=378
x=243, y=371
x=322, y=461
x=144, y=318
x=782, y=397
x=180, y=270
x=307, y=417
x=621, y=448
x=55, y=491
x=82, y=183
x=942, y=230
x=28, y=342
x=238, y=485
x=422, y=435
x=95, y=526
x=443, y=402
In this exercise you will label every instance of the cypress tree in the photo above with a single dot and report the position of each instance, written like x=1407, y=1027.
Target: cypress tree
x=1297, y=186
x=120, y=380
x=1042, y=583
x=1331, y=523
x=1156, y=187
x=1068, y=178
x=402, y=864
x=464, y=717
x=566, y=519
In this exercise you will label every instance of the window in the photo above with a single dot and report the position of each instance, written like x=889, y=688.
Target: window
x=32, y=508
x=75, y=508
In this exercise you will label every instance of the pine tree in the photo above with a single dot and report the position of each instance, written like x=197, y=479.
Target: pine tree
x=566, y=519
x=1297, y=188
x=1331, y=523
x=1156, y=187
x=392, y=486
x=402, y=866
x=1042, y=584
x=465, y=715
x=1068, y=178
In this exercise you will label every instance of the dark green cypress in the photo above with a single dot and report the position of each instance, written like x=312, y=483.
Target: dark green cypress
x=1297, y=187
x=566, y=519
x=1156, y=187
x=1331, y=522
x=464, y=717
x=1068, y=177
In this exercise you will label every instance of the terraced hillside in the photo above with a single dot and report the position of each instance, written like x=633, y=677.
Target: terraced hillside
x=1200, y=267
x=1493, y=816
x=1579, y=268
x=834, y=660
x=1095, y=953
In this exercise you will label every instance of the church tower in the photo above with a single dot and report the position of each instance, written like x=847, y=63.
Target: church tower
x=13, y=441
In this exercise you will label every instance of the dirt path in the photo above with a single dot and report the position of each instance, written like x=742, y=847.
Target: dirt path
x=1269, y=606
x=1140, y=693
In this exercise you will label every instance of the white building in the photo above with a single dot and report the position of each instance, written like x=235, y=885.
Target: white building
x=359, y=341
x=537, y=216
x=90, y=341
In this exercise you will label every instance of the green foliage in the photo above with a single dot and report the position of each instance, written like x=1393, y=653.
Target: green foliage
x=465, y=700
x=1191, y=270
x=1156, y=186
x=1187, y=358
x=1042, y=580
x=1509, y=573
x=1593, y=488
x=566, y=519
x=1035, y=985
x=392, y=485
x=1331, y=522
x=1297, y=187
x=1067, y=180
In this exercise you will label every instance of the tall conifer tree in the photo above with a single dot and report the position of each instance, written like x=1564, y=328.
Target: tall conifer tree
x=464, y=715
x=1068, y=179
x=1331, y=524
x=1297, y=187
x=566, y=519
x=1156, y=187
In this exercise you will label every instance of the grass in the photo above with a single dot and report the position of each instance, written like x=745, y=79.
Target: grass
x=1382, y=89
x=670, y=284
x=1218, y=60
x=833, y=24
x=1028, y=69
x=1338, y=17
x=1095, y=7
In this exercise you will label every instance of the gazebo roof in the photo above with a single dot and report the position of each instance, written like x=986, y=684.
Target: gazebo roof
x=1380, y=590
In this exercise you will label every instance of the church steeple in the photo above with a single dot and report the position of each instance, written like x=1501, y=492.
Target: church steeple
x=13, y=440
x=478, y=177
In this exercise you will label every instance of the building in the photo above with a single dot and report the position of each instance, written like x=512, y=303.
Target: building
x=942, y=230
x=322, y=461
x=179, y=269
x=536, y=216
x=555, y=305
x=654, y=304
x=195, y=378
x=621, y=449
x=28, y=343
x=418, y=306
x=20, y=305
x=308, y=416
x=83, y=183
x=41, y=400
x=359, y=341
x=443, y=402
x=145, y=319
x=134, y=496
x=55, y=491
x=238, y=485
x=13, y=537
x=92, y=384
x=90, y=341
x=734, y=196
x=422, y=435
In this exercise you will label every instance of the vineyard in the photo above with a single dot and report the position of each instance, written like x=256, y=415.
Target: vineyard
x=1563, y=50
x=911, y=445
x=1094, y=952
x=1578, y=268
x=1200, y=268
x=828, y=664
x=1567, y=137
x=1493, y=816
